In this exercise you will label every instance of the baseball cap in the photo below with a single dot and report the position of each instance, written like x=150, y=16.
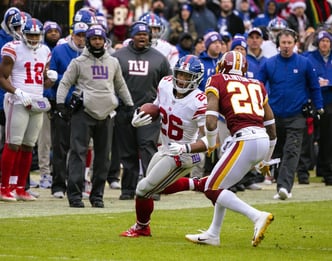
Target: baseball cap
x=256, y=30
x=80, y=27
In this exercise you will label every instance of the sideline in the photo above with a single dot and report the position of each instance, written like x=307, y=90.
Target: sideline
x=46, y=205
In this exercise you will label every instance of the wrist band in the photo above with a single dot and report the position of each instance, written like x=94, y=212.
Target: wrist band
x=188, y=148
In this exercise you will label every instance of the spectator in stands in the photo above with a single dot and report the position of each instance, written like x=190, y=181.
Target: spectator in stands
x=270, y=12
x=203, y=18
x=228, y=20
x=182, y=23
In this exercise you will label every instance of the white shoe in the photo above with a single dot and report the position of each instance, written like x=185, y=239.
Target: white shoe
x=268, y=180
x=58, y=194
x=260, y=227
x=282, y=194
x=115, y=185
x=85, y=195
x=254, y=186
x=204, y=239
x=33, y=193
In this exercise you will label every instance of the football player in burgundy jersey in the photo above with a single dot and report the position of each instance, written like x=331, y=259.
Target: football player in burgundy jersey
x=26, y=63
x=244, y=104
x=182, y=108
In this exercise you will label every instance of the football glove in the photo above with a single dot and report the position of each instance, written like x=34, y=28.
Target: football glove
x=23, y=97
x=264, y=168
x=211, y=149
x=52, y=75
x=177, y=149
x=139, y=119
x=62, y=111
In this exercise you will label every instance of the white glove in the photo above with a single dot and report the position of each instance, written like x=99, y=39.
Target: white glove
x=23, y=96
x=52, y=75
x=140, y=120
x=177, y=149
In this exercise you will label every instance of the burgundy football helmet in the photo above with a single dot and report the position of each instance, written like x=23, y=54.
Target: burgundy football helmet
x=232, y=62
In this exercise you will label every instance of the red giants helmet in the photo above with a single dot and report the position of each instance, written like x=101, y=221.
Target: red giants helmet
x=232, y=62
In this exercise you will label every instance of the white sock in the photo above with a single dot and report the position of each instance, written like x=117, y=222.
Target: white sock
x=229, y=200
x=218, y=218
x=191, y=184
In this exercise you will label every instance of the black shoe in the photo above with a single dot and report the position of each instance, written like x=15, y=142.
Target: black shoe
x=304, y=181
x=126, y=197
x=77, y=204
x=240, y=187
x=97, y=204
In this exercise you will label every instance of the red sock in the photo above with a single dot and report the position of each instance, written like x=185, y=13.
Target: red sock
x=144, y=209
x=88, y=158
x=7, y=164
x=182, y=184
x=16, y=170
x=24, y=168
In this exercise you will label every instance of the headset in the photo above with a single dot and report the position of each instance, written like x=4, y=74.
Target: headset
x=286, y=31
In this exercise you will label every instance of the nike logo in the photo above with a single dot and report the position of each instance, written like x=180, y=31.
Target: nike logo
x=201, y=239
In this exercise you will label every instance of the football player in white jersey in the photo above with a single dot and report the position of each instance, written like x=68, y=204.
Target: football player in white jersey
x=157, y=28
x=182, y=109
x=26, y=63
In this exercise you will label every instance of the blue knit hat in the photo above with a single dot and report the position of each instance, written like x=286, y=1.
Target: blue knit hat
x=324, y=34
x=48, y=25
x=139, y=27
x=211, y=37
x=239, y=40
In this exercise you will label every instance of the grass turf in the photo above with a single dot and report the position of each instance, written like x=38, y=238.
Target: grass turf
x=300, y=231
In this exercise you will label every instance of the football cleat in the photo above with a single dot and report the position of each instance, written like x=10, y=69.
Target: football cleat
x=7, y=195
x=199, y=183
x=21, y=194
x=204, y=239
x=136, y=231
x=260, y=227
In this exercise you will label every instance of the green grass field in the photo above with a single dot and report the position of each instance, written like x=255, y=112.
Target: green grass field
x=301, y=231
x=49, y=230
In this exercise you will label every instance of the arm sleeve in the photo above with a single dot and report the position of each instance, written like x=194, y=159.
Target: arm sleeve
x=69, y=79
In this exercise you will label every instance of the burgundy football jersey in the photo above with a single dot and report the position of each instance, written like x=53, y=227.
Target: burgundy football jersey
x=241, y=100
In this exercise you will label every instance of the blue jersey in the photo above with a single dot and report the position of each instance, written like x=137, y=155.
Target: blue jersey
x=292, y=81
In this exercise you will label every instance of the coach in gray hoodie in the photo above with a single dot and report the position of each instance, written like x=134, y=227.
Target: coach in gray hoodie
x=99, y=81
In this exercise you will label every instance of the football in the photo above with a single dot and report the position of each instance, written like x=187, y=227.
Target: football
x=150, y=108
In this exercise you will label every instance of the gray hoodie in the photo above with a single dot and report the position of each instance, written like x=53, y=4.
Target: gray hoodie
x=100, y=80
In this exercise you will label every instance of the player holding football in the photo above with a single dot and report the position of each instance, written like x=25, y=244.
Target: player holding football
x=250, y=120
x=182, y=108
x=26, y=63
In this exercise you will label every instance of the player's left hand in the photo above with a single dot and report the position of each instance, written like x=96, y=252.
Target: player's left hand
x=264, y=168
x=140, y=119
x=177, y=149
x=52, y=75
x=211, y=149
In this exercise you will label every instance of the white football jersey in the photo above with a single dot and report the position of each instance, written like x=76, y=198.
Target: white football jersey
x=168, y=50
x=28, y=69
x=181, y=118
